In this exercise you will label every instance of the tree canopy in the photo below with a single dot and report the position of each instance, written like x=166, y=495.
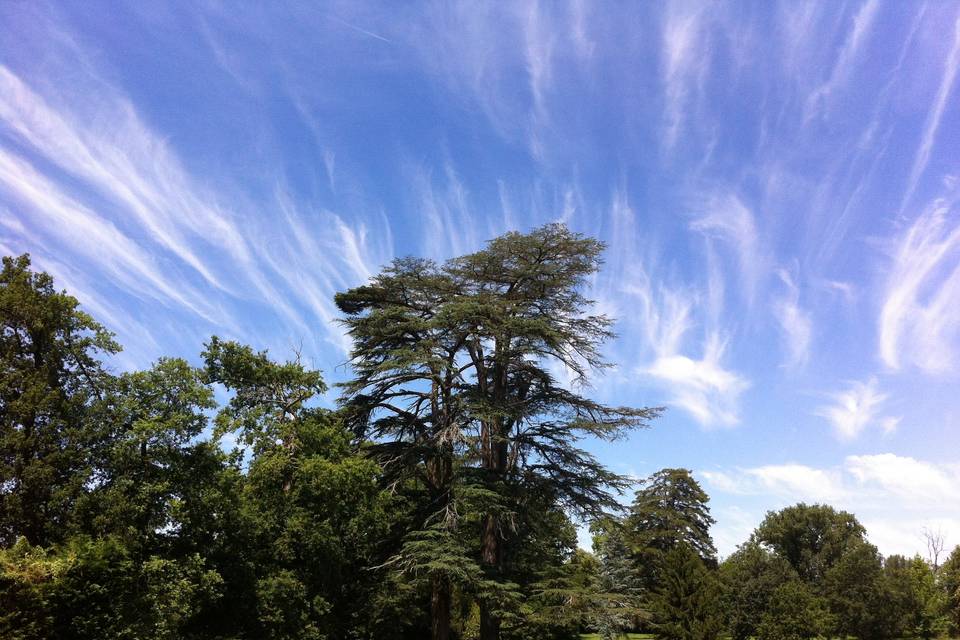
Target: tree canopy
x=219, y=497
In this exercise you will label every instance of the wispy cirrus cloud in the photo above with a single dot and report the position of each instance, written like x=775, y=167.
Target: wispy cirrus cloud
x=725, y=218
x=919, y=321
x=846, y=60
x=932, y=124
x=666, y=321
x=61, y=216
x=795, y=322
x=684, y=61
x=171, y=239
x=702, y=386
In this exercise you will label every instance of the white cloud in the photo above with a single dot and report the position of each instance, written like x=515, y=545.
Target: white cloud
x=662, y=319
x=701, y=386
x=792, y=482
x=120, y=157
x=795, y=322
x=905, y=477
x=920, y=318
x=894, y=497
x=135, y=211
x=856, y=408
x=444, y=203
x=102, y=242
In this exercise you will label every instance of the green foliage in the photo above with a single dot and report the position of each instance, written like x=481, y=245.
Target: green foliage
x=749, y=578
x=93, y=589
x=452, y=380
x=686, y=604
x=618, y=603
x=435, y=501
x=267, y=396
x=51, y=384
x=949, y=581
x=857, y=594
x=793, y=612
x=928, y=619
x=669, y=509
x=149, y=456
x=812, y=538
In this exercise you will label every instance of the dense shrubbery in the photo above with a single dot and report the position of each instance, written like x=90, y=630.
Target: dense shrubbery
x=431, y=502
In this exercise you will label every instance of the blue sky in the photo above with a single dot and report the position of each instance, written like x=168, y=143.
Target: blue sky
x=778, y=185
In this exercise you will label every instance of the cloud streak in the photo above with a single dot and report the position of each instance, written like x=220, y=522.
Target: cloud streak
x=919, y=322
x=932, y=124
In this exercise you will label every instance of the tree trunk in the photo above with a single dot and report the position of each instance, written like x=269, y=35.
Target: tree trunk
x=440, y=608
x=490, y=554
x=491, y=545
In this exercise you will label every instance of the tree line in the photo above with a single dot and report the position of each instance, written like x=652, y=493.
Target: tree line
x=807, y=571
x=437, y=499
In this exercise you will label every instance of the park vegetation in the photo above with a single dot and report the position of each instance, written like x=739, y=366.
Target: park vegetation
x=438, y=496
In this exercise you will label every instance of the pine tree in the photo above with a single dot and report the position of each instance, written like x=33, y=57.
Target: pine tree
x=686, y=605
x=669, y=509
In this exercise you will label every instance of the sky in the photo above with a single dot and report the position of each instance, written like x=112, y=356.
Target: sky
x=778, y=185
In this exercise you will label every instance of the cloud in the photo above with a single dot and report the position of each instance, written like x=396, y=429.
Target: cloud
x=501, y=61
x=104, y=185
x=932, y=123
x=788, y=481
x=724, y=217
x=862, y=22
x=116, y=154
x=919, y=322
x=444, y=203
x=795, y=323
x=702, y=386
x=871, y=482
x=904, y=477
x=662, y=318
x=856, y=408
x=893, y=496
x=684, y=60
x=103, y=243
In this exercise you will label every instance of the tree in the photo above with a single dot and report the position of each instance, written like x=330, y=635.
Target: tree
x=96, y=588
x=812, y=538
x=455, y=361
x=901, y=599
x=934, y=540
x=928, y=618
x=312, y=510
x=619, y=605
x=150, y=453
x=749, y=578
x=686, y=604
x=406, y=397
x=949, y=580
x=669, y=509
x=793, y=612
x=856, y=593
x=525, y=313
x=51, y=386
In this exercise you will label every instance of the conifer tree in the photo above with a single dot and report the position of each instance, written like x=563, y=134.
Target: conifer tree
x=454, y=379
x=669, y=509
x=685, y=605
